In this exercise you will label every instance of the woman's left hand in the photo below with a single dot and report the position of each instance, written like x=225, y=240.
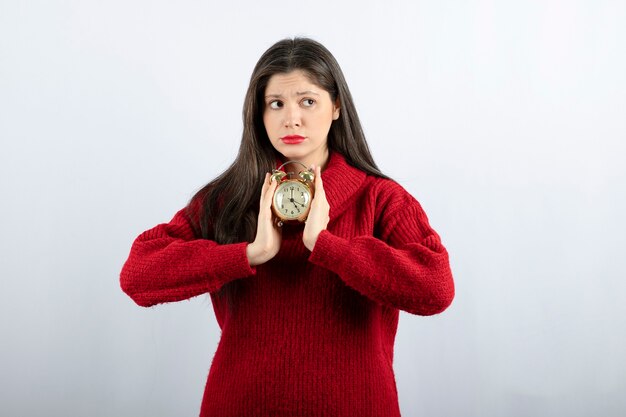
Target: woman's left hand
x=319, y=215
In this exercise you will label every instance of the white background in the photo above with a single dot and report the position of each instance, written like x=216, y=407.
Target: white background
x=506, y=119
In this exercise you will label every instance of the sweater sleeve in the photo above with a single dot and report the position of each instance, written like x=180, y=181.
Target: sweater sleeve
x=168, y=263
x=406, y=268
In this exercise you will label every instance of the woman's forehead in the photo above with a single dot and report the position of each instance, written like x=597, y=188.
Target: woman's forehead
x=295, y=82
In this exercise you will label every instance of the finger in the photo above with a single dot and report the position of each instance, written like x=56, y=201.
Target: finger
x=319, y=184
x=265, y=186
x=266, y=199
x=272, y=186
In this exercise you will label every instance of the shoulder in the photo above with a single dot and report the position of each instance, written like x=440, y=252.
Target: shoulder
x=395, y=209
x=392, y=203
x=389, y=194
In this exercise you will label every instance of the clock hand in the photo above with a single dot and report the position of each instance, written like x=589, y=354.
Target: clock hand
x=295, y=202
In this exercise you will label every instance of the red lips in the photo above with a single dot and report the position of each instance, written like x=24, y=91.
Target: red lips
x=292, y=139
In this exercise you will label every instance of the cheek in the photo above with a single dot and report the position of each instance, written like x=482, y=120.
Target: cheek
x=323, y=121
x=327, y=116
x=265, y=120
x=267, y=123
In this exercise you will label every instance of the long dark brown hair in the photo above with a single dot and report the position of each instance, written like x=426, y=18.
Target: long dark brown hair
x=226, y=209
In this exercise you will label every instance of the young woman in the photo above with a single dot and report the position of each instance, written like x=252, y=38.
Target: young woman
x=308, y=310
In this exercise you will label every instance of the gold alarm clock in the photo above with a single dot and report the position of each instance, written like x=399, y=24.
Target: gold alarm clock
x=292, y=199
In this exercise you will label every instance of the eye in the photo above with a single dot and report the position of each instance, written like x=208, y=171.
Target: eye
x=308, y=102
x=276, y=104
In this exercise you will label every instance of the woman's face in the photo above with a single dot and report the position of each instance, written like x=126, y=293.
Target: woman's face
x=297, y=117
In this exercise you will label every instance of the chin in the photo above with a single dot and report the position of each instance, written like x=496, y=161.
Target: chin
x=293, y=154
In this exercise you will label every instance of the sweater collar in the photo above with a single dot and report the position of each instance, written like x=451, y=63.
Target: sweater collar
x=341, y=181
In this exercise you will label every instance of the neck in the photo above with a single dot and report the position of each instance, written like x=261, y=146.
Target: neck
x=309, y=162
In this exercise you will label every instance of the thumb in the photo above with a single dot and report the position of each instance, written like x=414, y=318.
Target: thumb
x=319, y=184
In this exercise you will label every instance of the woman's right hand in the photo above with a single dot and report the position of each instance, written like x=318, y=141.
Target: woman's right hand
x=268, y=235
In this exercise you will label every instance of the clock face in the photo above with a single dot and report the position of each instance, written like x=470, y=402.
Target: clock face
x=292, y=199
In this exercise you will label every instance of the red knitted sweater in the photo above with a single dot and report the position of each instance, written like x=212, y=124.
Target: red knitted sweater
x=308, y=333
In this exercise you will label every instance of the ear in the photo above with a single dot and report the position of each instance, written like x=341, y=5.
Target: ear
x=336, y=109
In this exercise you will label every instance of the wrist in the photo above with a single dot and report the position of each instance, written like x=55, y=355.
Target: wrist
x=309, y=242
x=251, y=254
x=257, y=254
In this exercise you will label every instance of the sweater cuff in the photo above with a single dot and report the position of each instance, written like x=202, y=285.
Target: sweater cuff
x=330, y=251
x=232, y=262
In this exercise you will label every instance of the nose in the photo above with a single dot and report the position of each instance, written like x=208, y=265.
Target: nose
x=292, y=117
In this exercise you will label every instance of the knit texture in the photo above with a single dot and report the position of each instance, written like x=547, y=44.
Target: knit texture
x=308, y=333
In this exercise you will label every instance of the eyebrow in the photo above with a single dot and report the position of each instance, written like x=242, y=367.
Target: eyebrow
x=298, y=93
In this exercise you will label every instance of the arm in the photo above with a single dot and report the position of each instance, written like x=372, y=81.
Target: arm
x=406, y=268
x=167, y=263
